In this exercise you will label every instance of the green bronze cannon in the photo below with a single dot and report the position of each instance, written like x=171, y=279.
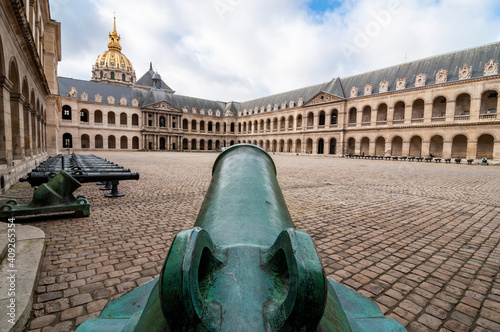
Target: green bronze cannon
x=242, y=267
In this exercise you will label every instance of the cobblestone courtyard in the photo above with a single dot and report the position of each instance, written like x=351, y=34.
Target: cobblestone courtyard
x=420, y=239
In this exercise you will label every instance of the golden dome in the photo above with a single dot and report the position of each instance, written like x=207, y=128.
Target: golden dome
x=113, y=66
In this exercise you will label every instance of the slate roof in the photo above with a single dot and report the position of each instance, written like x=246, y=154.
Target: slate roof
x=146, y=95
x=333, y=87
x=476, y=57
x=147, y=80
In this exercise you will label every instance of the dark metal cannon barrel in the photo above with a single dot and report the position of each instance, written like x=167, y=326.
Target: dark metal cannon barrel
x=243, y=267
x=37, y=178
x=83, y=169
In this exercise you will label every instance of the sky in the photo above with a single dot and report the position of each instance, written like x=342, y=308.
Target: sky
x=245, y=49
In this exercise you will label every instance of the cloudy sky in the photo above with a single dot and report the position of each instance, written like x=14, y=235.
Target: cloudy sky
x=244, y=49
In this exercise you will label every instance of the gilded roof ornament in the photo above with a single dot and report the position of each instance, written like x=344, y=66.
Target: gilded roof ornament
x=114, y=38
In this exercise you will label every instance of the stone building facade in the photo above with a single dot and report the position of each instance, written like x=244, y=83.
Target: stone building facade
x=30, y=48
x=444, y=105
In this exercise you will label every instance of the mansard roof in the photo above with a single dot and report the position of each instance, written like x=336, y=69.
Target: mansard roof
x=147, y=80
x=146, y=94
x=333, y=87
x=475, y=57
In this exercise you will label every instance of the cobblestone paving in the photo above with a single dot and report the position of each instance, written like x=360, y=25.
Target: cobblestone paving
x=420, y=239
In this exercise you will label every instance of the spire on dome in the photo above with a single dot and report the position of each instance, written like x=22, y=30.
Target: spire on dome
x=114, y=39
x=150, y=66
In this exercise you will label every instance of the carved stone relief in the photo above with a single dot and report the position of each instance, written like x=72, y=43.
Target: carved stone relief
x=72, y=93
x=383, y=86
x=135, y=102
x=491, y=68
x=98, y=98
x=368, y=89
x=420, y=79
x=354, y=92
x=465, y=72
x=123, y=101
x=401, y=83
x=84, y=97
x=111, y=100
x=442, y=76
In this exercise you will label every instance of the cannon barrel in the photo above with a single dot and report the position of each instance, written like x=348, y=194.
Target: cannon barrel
x=253, y=270
x=37, y=178
x=242, y=267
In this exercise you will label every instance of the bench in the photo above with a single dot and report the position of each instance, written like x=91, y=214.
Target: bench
x=448, y=160
x=403, y=158
x=388, y=158
x=411, y=158
x=428, y=160
x=438, y=160
x=419, y=159
x=469, y=161
x=394, y=158
x=458, y=160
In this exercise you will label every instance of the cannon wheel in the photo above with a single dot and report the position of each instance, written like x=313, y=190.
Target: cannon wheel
x=11, y=202
x=6, y=207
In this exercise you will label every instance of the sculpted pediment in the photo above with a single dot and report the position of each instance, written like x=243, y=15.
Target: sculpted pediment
x=322, y=98
x=163, y=105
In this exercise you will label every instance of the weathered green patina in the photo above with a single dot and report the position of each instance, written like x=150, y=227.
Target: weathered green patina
x=51, y=197
x=242, y=267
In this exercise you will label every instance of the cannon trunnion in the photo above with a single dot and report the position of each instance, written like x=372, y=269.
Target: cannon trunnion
x=242, y=267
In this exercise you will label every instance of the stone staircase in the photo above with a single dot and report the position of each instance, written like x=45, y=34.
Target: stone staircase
x=29, y=249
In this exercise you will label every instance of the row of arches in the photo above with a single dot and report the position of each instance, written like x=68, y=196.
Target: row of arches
x=99, y=117
x=22, y=115
x=459, y=147
x=437, y=109
x=99, y=142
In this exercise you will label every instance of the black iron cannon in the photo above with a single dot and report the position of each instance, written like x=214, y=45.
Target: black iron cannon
x=242, y=267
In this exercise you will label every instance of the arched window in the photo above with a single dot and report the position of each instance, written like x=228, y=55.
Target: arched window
x=135, y=120
x=135, y=142
x=123, y=77
x=185, y=126
x=97, y=116
x=84, y=115
x=232, y=128
x=112, y=75
x=111, y=142
x=123, y=142
x=322, y=118
x=333, y=117
x=111, y=118
x=98, y=142
x=66, y=112
x=67, y=141
x=123, y=119
x=85, y=141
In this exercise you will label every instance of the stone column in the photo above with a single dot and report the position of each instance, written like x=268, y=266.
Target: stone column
x=16, y=108
x=447, y=146
x=34, y=133
x=496, y=149
x=357, y=147
x=425, y=149
x=359, y=117
x=450, y=110
x=6, y=154
x=373, y=117
x=390, y=115
x=471, y=149
x=28, y=139
x=475, y=109
x=408, y=114
x=388, y=147
x=316, y=121
x=405, y=150
x=427, y=112
x=371, y=148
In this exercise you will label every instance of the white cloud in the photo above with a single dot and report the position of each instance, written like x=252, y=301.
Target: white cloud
x=242, y=49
